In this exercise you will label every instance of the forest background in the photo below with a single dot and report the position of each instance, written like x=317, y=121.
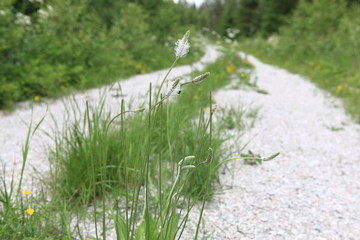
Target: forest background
x=48, y=48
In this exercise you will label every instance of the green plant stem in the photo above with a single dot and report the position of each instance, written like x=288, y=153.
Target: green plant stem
x=163, y=81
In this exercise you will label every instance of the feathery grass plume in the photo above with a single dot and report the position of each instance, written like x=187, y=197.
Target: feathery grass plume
x=174, y=89
x=182, y=46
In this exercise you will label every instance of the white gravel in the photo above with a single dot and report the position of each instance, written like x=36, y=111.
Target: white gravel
x=311, y=191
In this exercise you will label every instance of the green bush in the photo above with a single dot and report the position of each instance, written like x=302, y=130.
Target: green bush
x=53, y=47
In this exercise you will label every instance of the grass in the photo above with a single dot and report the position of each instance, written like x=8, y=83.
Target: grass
x=92, y=144
x=141, y=169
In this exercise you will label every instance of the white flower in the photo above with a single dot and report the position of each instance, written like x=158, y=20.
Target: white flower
x=43, y=14
x=232, y=32
x=22, y=19
x=182, y=46
x=50, y=9
x=3, y=12
x=227, y=40
x=39, y=1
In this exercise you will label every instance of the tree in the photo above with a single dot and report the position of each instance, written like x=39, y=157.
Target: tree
x=273, y=14
x=249, y=18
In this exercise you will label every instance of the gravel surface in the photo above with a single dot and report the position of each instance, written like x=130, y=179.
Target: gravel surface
x=311, y=191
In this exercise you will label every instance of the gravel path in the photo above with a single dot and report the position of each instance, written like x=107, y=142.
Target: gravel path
x=312, y=190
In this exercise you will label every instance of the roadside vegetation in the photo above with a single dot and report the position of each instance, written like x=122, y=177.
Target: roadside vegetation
x=49, y=48
x=138, y=172
x=318, y=39
x=321, y=41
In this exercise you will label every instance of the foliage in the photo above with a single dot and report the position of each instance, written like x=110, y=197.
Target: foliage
x=172, y=135
x=143, y=169
x=321, y=40
x=250, y=17
x=49, y=48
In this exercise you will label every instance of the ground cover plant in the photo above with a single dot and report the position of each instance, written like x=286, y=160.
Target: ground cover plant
x=142, y=169
x=321, y=41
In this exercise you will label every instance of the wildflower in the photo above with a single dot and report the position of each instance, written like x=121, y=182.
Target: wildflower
x=22, y=19
x=138, y=66
x=243, y=75
x=37, y=99
x=317, y=68
x=196, y=97
x=339, y=89
x=182, y=46
x=43, y=14
x=232, y=32
x=26, y=192
x=142, y=71
x=3, y=12
x=39, y=1
x=30, y=211
x=50, y=9
x=227, y=40
x=231, y=68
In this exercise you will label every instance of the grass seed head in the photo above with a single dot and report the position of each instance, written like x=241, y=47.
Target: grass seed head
x=201, y=77
x=182, y=46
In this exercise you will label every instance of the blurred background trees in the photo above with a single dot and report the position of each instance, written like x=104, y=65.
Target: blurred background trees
x=49, y=47
x=249, y=16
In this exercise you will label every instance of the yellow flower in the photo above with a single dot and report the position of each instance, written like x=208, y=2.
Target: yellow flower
x=37, y=99
x=231, y=68
x=26, y=192
x=30, y=211
x=311, y=64
x=196, y=97
x=317, y=68
x=243, y=75
x=339, y=89
x=138, y=66
x=142, y=71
